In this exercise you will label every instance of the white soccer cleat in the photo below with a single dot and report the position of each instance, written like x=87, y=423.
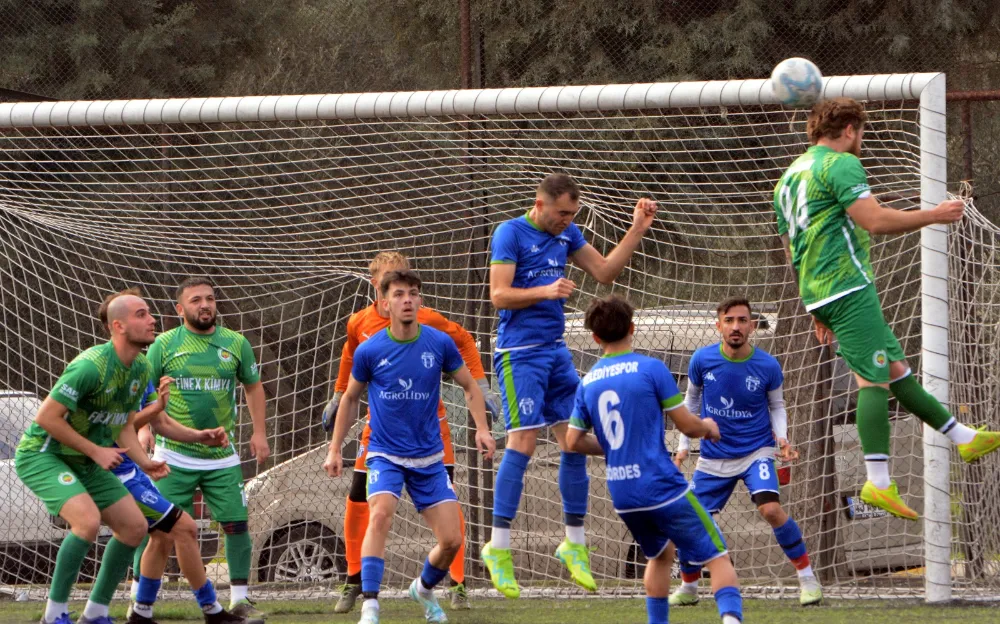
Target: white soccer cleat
x=432, y=610
x=369, y=614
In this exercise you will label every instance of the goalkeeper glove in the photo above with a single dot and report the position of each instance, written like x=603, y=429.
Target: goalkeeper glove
x=330, y=411
x=492, y=401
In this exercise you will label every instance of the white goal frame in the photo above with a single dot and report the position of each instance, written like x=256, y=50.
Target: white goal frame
x=928, y=88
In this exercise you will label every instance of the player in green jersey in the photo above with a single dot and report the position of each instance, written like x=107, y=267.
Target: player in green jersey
x=66, y=455
x=826, y=212
x=207, y=362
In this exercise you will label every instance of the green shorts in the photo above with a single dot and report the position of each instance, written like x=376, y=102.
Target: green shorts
x=866, y=341
x=221, y=489
x=55, y=479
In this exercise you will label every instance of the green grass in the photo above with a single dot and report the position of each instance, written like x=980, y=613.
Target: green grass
x=584, y=611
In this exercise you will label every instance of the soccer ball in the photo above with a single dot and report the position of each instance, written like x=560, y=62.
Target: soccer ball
x=797, y=82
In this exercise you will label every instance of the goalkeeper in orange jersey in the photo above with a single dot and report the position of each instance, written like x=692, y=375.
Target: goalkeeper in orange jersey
x=361, y=326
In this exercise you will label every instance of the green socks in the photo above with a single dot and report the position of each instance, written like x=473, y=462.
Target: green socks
x=114, y=565
x=912, y=396
x=69, y=560
x=137, y=558
x=873, y=421
x=238, y=548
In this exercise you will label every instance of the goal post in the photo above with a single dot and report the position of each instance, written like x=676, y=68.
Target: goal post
x=284, y=199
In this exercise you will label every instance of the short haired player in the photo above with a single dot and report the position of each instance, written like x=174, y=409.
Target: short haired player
x=402, y=366
x=622, y=399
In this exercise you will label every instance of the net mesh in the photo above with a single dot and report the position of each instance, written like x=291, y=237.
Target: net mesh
x=285, y=217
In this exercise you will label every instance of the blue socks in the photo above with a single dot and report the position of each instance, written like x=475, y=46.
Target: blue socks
x=372, y=570
x=148, y=589
x=790, y=539
x=205, y=595
x=430, y=576
x=574, y=486
x=729, y=602
x=508, y=487
x=658, y=610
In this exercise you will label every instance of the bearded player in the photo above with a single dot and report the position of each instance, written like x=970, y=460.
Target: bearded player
x=361, y=326
x=826, y=213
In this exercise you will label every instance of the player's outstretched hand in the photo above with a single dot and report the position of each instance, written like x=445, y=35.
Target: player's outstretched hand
x=334, y=464
x=163, y=391
x=679, y=458
x=713, y=430
x=645, y=212
x=823, y=333
x=108, y=457
x=485, y=443
x=560, y=289
x=213, y=437
x=146, y=439
x=330, y=412
x=156, y=469
x=785, y=451
x=949, y=211
x=259, y=447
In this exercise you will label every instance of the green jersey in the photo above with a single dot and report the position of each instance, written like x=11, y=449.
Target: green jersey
x=830, y=252
x=99, y=392
x=206, y=369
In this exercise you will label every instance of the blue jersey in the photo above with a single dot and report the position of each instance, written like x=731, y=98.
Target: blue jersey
x=622, y=398
x=404, y=387
x=540, y=259
x=127, y=465
x=734, y=395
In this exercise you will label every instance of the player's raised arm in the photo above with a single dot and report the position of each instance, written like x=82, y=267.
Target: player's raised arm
x=477, y=406
x=878, y=219
x=692, y=426
x=129, y=442
x=606, y=269
x=349, y=403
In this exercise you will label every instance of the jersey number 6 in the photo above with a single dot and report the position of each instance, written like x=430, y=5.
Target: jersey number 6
x=611, y=419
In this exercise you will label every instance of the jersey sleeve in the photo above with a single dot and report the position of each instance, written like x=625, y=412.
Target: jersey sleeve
x=451, y=358
x=778, y=210
x=503, y=249
x=248, y=371
x=360, y=369
x=667, y=393
x=694, y=370
x=347, y=355
x=848, y=180
x=463, y=340
x=576, y=239
x=580, y=418
x=776, y=378
x=149, y=395
x=79, y=379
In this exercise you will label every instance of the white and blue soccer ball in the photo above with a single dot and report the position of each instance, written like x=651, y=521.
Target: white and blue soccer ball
x=797, y=82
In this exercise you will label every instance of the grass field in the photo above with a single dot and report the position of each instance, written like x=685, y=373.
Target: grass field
x=589, y=611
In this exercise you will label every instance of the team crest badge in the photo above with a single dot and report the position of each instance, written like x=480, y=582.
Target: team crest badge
x=526, y=405
x=148, y=498
x=225, y=356
x=133, y=388
x=373, y=476
x=67, y=478
x=753, y=383
x=428, y=359
x=879, y=358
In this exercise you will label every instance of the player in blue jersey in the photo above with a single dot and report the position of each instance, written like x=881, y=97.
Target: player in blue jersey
x=402, y=366
x=168, y=525
x=528, y=285
x=622, y=399
x=740, y=387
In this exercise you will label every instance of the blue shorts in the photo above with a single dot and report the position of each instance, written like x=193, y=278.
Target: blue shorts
x=714, y=492
x=427, y=486
x=537, y=385
x=685, y=522
x=148, y=498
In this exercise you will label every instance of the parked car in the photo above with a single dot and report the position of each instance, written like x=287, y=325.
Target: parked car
x=29, y=536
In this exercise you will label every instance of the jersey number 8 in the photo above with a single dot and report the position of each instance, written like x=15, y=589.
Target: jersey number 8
x=611, y=419
x=796, y=211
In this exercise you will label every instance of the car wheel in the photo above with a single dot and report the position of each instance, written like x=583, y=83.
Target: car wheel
x=303, y=553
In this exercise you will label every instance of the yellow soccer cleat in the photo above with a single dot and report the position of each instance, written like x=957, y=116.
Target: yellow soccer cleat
x=984, y=442
x=577, y=561
x=501, y=568
x=887, y=499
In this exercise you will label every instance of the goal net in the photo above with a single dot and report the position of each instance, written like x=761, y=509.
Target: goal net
x=283, y=201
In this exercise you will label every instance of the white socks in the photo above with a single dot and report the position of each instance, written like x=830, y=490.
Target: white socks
x=689, y=588
x=728, y=619
x=54, y=609
x=93, y=610
x=804, y=572
x=237, y=593
x=878, y=473
x=576, y=535
x=500, y=538
x=961, y=434
x=144, y=610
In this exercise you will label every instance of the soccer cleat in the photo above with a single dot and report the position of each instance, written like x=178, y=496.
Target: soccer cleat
x=577, y=561
x=104, y=619
x=224, y=617
x=681, y=598
x=810, y=592
x=62, y=619
x=432, y=610
x=245, y=609
x=501, y=568
x=135, y=618
x=887, y=499
x=369, y=615
x=984, y=442
x=348, y=596
x=459, y=597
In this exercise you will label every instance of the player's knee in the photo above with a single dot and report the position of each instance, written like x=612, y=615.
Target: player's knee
x=185, y=529
x=133, y=530
x=359, y=488
x=87, y=526
x=380, y=519
x=160, y=542
x=451, y=543
x=235, y=528
x=772, y=512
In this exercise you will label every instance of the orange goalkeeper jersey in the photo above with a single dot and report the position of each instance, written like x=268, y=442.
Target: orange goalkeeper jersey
x=365, y=323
